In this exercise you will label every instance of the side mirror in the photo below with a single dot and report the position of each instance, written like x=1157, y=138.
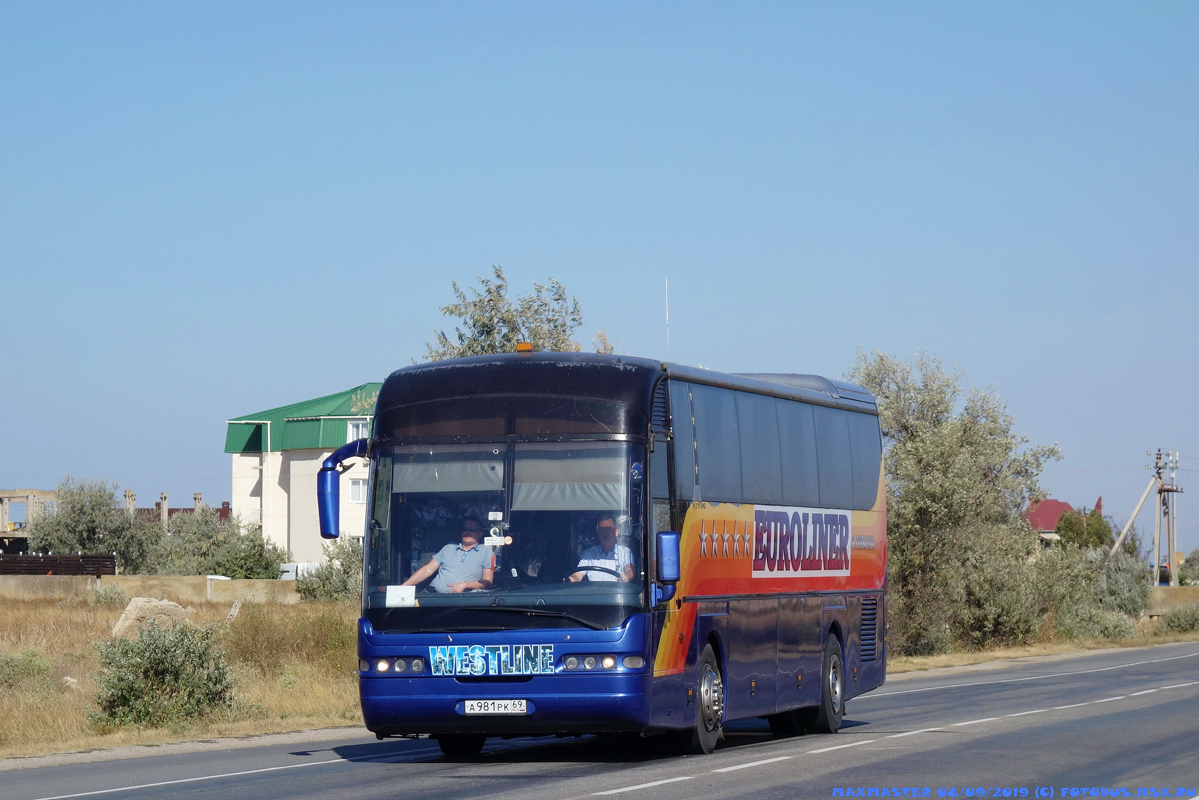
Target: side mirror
x=328, y=487
x=669, y=568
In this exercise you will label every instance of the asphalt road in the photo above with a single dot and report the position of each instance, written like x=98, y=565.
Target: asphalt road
x=1117, y=719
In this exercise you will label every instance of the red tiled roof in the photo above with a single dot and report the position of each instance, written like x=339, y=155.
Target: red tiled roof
x=1043, y=516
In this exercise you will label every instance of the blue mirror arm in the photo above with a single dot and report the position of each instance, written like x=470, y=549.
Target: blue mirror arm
x=328, y=486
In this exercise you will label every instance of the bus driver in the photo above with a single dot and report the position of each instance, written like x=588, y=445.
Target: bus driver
x=458, y=567
x=607, y=554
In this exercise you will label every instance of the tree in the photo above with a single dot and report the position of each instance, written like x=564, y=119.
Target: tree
x=948, y=468
x=200, y=544
x=1085, y=530
x=88, y=519
x=492, y=323
x=958, y=478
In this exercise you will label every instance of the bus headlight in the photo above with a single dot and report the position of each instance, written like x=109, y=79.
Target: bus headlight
x=571, y=662
x=634, y=662
x=608, y=662
x=382, y=665
x=418, y=665
x=364, y=665
x=589, y=662
x=401, y=665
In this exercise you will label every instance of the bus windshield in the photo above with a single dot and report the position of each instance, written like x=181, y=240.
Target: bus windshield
x=505, y=535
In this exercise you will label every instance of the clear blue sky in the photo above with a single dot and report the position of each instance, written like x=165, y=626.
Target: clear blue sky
x=207, y=210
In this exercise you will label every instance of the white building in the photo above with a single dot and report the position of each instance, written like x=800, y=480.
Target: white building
x=282, y=449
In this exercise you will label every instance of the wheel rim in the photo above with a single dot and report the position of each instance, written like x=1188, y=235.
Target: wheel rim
x=711, y=698
x=834, y=685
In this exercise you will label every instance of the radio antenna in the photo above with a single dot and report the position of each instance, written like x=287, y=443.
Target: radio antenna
x=668, y=311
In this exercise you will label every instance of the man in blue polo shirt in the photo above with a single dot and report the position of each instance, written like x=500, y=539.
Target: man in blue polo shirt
x=458, y=567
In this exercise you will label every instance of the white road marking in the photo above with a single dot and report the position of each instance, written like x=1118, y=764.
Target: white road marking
x=753, y=764
x=1147, y=691
x=645, y=785
x=974, y=721
x=840, y=747
x=1072, y=705
x=913, y=733
x=1026, y=713
x=1180, y=685
x=228, y=775
x=1109, y=699
x=873, y=695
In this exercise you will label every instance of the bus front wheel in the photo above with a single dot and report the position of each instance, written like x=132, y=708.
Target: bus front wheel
x=709, y=707
x=461, y=745
x=832, y=689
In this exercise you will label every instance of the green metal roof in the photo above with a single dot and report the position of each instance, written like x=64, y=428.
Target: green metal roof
x=311, y=424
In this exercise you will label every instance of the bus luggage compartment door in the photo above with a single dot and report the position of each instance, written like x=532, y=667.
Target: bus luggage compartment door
x=752, y=658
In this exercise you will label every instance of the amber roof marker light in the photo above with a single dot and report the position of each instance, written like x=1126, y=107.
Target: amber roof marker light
x=524, y=347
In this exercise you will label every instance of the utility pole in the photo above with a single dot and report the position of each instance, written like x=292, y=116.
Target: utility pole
x=1164, y=511
x=1166, y=508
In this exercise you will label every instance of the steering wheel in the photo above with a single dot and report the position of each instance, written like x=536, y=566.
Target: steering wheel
x=585, y=570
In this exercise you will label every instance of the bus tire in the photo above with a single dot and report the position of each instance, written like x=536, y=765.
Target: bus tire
x=461, y=746
x=709, y=707
x=832, y=688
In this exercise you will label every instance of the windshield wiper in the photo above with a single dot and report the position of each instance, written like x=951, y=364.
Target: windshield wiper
x=461, y=628
x=542, y=612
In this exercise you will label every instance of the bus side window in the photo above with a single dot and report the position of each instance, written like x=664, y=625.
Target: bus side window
x=797, y=439
x=718, y=441
x=683, y=430
x=659, y=490
x=832, y=454
x=866, y=450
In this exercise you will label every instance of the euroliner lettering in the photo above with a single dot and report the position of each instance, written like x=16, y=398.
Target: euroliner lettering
x=806, y=541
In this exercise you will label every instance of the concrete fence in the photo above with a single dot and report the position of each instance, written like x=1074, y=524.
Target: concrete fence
x=1163, y=598
x=183, y=589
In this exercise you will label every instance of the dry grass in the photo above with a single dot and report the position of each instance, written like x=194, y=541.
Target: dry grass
x=294, y=667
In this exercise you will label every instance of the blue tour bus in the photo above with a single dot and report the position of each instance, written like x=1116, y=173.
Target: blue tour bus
x=665, y=549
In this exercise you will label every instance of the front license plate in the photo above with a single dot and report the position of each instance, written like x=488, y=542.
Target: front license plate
x=496, y=706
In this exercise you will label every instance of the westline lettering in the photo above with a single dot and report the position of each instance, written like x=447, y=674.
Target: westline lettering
x=791, y=542
x=492, y=659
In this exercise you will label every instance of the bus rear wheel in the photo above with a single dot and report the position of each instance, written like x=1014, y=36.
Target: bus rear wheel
x=461, y=745
x=832, y=689
x=709, y=707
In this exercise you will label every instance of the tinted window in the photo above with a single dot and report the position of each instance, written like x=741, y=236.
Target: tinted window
x=761, y=471
x=866, y=450
x=684, y=440
x=718, y=443
x=797, y=440
x=832, y=451
x=497, y=415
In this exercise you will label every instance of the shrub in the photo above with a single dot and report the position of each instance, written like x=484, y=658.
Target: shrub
x=338, y=577
x=1189, y=574
x=267, y=638
x=981, y=593
x=107, y=596
x=1180, y=619
x=1093, y=622
x=167, y=675
x=199, y=544
x=24, y=666
x=1122, y=584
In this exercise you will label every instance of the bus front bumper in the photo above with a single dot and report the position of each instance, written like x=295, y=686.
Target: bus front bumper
x=554, y=704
